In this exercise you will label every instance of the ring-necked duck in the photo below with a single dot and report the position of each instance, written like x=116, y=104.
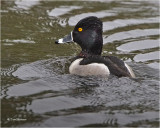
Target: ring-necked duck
x=88, y=34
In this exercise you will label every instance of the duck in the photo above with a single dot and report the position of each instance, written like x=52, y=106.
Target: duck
x=87, y=33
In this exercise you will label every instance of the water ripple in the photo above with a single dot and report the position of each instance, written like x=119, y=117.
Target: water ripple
x=25, y=4
x=147, y=56
x=73, y=20
x=62, y=10
x=18, y=41
x=131, y=34
x=139, y=45
x=9, y=71
x=55, y=104
x=40, y=69
x=126, y=22
x=85, y=119
x=45, y=94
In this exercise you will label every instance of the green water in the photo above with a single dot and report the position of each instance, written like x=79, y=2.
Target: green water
x=38, y=91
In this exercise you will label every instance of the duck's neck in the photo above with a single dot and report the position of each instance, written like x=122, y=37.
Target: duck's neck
x=85, y=54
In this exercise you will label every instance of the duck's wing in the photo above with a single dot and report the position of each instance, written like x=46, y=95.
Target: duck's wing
x=116, y=66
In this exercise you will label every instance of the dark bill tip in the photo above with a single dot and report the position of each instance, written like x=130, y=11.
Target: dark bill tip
x=56, y=42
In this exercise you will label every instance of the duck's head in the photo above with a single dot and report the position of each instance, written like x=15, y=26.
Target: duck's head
x=88, y=34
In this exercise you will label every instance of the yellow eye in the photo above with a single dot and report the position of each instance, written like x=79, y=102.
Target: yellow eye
x=80, y=29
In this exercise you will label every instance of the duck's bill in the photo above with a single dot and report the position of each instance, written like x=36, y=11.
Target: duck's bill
x=66, y=39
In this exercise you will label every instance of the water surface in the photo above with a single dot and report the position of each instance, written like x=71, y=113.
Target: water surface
x=37, y=89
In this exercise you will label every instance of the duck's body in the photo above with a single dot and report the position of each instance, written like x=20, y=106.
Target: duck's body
x=88, y=34
x=100, y=65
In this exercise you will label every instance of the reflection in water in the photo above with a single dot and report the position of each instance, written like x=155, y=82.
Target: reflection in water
x=142, y=44
x=25, y=4
x=102, y=119
x=154, y=65
x=18, y=41
x=147, y=56
x=60, y=97
x=55, y=104
x=37, y=89
x=126, y=22
x=62, y=10
x=131, y=34
x=73, y=20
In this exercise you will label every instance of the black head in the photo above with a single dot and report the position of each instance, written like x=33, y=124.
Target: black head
x=88, y=34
